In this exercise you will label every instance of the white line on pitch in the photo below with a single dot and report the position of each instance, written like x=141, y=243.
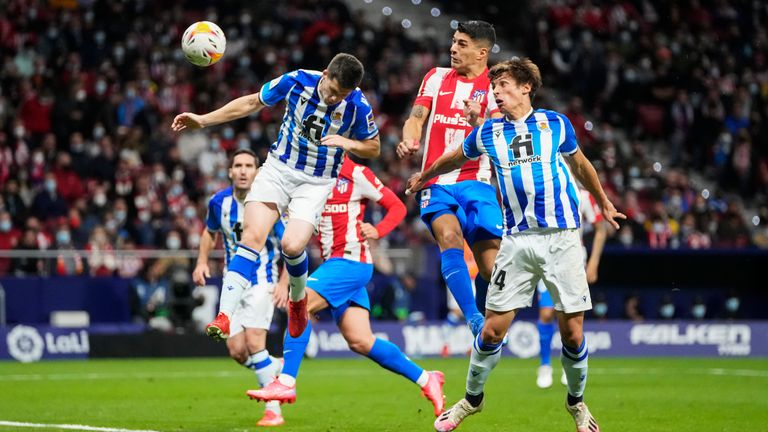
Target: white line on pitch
x=69, y=427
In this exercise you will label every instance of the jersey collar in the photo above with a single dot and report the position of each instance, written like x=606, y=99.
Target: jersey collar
x=522, y=119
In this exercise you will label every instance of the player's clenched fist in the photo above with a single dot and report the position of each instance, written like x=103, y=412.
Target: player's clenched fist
x=415, y=183
x=407, y=148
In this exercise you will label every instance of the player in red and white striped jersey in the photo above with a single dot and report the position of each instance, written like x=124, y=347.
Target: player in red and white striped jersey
x=342, y=232
x=460, y=205
x=340, y=283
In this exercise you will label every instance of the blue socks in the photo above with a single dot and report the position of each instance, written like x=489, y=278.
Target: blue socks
x=546, y=331
x=481, y=293
x=293, y=351
x=389, y=356
x=457, y=279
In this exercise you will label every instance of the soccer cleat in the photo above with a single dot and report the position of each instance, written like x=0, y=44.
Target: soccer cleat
x=297, y=317
x=433, y=391
x=544, y=377
x=476, y=324
x=274, y=391
x=453, y=416
x=218, y=329
x=583, y=418
x=563, y=379
x=271, y=418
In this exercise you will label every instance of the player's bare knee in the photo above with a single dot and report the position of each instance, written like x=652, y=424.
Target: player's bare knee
x=492, y=336
x=450, y=239
x=292, y=247
x=238, y=354
x=252, y=239
x=572, y=338
x=360, y=345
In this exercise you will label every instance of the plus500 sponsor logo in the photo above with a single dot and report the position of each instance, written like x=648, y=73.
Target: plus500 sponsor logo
x=454, y=120
x=731, y=339
x=26, y=344
x=335, y=208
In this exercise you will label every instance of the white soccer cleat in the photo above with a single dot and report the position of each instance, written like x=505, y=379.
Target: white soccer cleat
x=583, y=418
x=544, y=377
x=563, y=379
x=453, y=416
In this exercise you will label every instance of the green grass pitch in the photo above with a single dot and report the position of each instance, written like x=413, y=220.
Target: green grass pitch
x=356, y=395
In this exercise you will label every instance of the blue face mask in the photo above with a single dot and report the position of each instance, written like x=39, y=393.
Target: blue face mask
x=699, y=311
x=667, y=310
x=50, y=186
x=732, y=304
x=63, y=237
x=5, y=226
x=600, y=309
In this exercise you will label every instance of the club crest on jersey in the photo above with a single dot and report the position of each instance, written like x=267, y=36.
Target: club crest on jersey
x=543, y=126
x=336, y=117
x=342, y=185
x=479, y=95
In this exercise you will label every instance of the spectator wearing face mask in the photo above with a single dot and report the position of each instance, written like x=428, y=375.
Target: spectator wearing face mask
x=101, y=258
x=667, y=308
x=9, y=238
x=27, y=266
x=68, y=262
x=48, y=203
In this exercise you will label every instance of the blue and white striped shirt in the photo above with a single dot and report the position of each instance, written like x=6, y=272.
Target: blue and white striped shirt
x=225, y=214
x=537, y=187
x=307, y=119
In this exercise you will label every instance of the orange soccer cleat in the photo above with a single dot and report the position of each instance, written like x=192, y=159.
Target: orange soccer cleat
x=433, y=391
x=218, y=329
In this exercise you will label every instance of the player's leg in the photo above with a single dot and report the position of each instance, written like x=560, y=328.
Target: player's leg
x=513, y=283
x=258, y=220
x=283, y=389
x=306, y=205
x=566, y=280
x=546, y=327
x=485, y=251
x=355, y=326
x=446, y=228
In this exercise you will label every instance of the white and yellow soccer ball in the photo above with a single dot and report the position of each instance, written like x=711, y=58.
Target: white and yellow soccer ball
x=203, y=43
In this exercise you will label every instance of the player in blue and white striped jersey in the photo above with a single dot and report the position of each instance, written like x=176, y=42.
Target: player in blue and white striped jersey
x=536, y=158
x=253, y=313
x=326, y=114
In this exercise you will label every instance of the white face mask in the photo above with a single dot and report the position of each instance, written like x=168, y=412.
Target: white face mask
x=173, y=243
x=667, y=310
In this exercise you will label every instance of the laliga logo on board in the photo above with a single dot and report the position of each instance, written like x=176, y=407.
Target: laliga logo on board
x=27, y=345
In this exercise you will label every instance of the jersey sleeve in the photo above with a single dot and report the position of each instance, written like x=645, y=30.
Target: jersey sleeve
x=213, y=218
x=364, y=126
x=568, y=144
x=428, y=89
x=366, y=182
x=277, y=89
x=470, y=148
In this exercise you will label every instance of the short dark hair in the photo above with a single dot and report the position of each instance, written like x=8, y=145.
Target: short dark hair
x=347, y=70
x=478, y=31
x=523, y=71
x=243, y=151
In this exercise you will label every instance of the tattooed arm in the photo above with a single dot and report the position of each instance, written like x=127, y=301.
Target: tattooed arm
x=412, y=131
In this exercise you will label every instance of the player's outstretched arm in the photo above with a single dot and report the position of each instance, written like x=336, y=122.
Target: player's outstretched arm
x=235, y=109
x=412, y=131
x=366, y=149
x=207, y=243
x=443, y=165
x=585, y=173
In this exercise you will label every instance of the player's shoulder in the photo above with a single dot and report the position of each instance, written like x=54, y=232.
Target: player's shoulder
x=489, y=123
x=551, y=115
x=306, y=77
x=438, y=73
x=358, y=99
x=219, y=196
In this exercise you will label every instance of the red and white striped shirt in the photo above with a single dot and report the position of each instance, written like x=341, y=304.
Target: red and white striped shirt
x=339, y=228
x=589, y=209
x=444, y=91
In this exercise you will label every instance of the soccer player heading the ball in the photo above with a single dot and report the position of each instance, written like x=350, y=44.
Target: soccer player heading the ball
x=326, y=114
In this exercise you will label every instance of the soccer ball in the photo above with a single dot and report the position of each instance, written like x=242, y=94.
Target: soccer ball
x=203, y=43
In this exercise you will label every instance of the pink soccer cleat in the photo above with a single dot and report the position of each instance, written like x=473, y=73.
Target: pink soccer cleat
x=297, y=317
x=274, y=391
x=434, y=391
x=271, y=418
x=218, y=329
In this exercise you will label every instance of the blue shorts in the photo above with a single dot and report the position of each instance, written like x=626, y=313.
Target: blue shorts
x=341, y=283
x=545, y=298
x=472, y=202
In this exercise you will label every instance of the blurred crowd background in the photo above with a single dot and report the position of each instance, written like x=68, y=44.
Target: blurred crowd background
x=668, y=100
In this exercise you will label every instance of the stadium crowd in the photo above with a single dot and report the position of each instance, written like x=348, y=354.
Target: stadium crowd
x=88, y=160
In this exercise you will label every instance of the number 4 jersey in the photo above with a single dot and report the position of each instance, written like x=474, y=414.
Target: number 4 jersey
x=225, y=215
x=444, y=91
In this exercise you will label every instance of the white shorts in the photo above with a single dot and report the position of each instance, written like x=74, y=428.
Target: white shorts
x=254, y=310
x=554, y=256
x=303, y=195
